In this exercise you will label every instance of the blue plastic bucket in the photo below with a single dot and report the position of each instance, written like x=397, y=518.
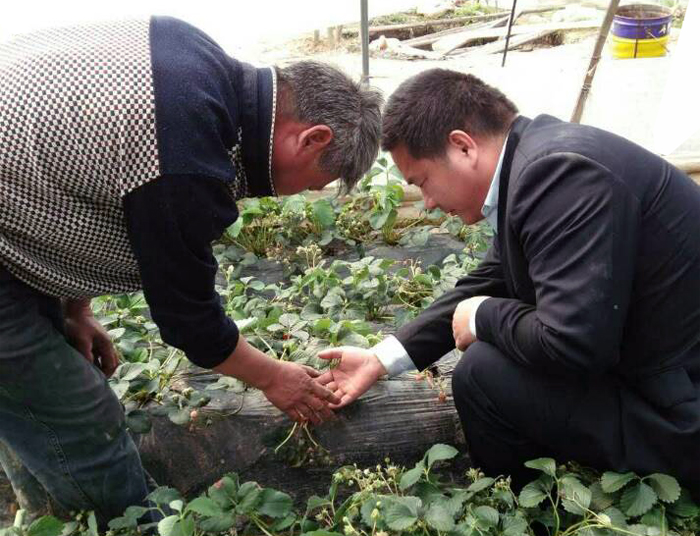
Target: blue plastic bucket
x=642, y=21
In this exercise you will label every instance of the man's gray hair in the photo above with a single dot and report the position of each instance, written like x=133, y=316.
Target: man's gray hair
x=321, y=94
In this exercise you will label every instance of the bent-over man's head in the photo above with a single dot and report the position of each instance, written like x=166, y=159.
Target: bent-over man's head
x=327, y=127
x=445, y=131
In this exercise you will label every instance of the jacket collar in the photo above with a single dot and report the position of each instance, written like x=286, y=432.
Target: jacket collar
x=514, y=135
x=257, y=105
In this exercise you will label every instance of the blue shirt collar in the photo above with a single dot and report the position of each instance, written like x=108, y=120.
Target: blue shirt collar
x=490, y=208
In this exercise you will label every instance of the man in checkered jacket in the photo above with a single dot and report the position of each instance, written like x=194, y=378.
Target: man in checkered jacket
x=123, y=149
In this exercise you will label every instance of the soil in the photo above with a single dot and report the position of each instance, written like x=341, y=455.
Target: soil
x=8, y=507
x=398, y=418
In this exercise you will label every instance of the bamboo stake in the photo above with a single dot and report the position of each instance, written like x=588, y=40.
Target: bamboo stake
x=595, y=58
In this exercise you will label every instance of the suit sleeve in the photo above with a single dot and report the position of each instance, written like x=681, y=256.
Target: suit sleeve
x=429, y=336
x=171, y=223
x=578, y=228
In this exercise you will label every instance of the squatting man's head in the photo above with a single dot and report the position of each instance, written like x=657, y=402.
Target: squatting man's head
x=445, y=131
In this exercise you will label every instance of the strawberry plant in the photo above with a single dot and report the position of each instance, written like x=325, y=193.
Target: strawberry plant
x=299, y=448
x=256, y=227
x=126, y=319
x=388, y=499
x=150, y=384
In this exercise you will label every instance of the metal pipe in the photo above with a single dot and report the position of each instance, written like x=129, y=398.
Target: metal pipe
x=364, y=38
x=510, y=25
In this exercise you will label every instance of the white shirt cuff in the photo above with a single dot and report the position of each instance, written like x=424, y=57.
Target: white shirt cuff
x=472, y=317
x=393, y=356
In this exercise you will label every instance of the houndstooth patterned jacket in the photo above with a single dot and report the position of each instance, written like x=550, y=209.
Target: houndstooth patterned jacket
x=90, y=113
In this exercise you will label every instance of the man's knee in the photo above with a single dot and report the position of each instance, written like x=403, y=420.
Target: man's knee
x=474, y=372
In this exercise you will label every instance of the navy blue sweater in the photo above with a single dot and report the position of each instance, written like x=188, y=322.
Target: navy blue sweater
x=206, y=102
x=171, y=223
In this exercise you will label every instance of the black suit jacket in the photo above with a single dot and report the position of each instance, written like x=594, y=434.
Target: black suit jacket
x=595, y=270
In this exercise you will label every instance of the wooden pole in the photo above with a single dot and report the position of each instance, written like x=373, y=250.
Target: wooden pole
x=391, y=29
x=364, y=39
x=339, y=34
x=595, y=58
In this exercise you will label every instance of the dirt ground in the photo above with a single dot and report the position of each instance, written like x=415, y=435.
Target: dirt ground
x=7, y=504
x=624, y=98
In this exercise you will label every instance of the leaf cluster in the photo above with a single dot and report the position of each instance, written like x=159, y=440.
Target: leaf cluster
x=392, y=500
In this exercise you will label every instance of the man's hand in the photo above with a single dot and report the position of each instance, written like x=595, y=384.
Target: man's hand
x=87, y=335
x=464, y=313
x=290, y=387
x=293, y=390
x=357, y=371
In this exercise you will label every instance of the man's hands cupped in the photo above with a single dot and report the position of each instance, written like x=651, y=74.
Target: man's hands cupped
x=357, y=370
x=296, y=391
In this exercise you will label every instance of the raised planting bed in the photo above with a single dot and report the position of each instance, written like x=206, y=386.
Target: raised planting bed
x=397, y=419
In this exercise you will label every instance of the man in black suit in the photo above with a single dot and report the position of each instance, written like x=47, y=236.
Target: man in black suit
x=581, y=327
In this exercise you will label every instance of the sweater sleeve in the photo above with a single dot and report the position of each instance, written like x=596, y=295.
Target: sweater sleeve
x=171, y=223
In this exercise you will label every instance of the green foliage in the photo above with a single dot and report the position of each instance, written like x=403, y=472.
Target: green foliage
x=126, y=319
x=151, y=384
x=271, y=227
x=256, y=228
x=326, y=304
x=320, y=303
x=45, y=526
x=392, y=500
x=567, y=503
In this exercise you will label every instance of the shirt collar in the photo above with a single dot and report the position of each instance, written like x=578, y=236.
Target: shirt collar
x=272, y=130
x=490, y=208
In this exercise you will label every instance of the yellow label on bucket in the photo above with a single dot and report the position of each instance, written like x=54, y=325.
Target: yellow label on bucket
x=638, y=48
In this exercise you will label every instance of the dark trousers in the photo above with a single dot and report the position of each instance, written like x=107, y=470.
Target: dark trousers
x=511, y=415
x=62, y=427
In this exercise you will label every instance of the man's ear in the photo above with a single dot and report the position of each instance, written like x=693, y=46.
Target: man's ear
x=464, y=143
x=316, y=138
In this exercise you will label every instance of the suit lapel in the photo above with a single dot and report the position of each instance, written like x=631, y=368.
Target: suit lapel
x=516, y=131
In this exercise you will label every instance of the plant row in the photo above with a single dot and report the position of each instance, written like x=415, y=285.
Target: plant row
x=391, y=500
